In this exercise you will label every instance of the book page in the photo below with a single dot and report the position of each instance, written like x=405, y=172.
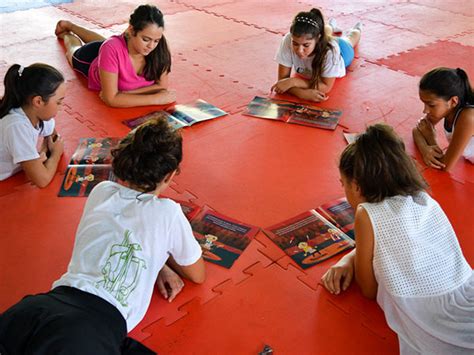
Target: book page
x=79, y=180
x=315, y=117
x=340, y=213
x=197, y=111
x=271, y=109
x=309, y=238
x=222, y=239
x=94, y=151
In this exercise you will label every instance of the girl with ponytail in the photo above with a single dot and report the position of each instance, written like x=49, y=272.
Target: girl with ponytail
x=33, y=96
x=447, y=95
x=317, y=57
x=407, y=254
x=130, y=69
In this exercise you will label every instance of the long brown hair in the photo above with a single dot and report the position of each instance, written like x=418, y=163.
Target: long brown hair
x=159, y=60
x=312, y=24
x=378, y=163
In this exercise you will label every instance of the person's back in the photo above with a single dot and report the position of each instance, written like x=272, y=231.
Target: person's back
x=420, y=270
x=122, y=242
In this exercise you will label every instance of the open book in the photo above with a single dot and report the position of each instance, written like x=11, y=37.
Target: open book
x=291, y=112
x=339, y=213
x=222, y=239
x=309, y=238
x=89, y=165
x=182, y=115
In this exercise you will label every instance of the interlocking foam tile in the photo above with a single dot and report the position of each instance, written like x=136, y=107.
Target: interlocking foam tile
x=349, y=7
x=456, y=200
x=247, y=265
x=286, y=315
x=37, y=239
x=201, y=30
x=202, y=4
x=226, y=59
x=273, y=17
x=102, y=14
x=418, y=61
x=418, y=18
x=272, y=158
x=372, y=93
x=47, y=50
x=31, y=25
x=214, y=87
x=455, y=6
x=379, y=40
x=464, y=39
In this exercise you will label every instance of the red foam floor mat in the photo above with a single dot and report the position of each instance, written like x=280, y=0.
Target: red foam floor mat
x=418, y=61
x=254, y=170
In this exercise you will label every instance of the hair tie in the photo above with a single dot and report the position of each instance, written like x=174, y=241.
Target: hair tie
x=307, y=20
x=20, y=70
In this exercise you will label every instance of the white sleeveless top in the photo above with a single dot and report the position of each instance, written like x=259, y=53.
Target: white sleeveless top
x=469, y=150
x=425, y=285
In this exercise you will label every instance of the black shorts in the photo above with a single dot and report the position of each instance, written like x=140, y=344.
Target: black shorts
x=65, y=320
x=83, y=57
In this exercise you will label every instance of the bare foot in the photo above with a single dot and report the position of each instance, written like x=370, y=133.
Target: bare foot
x=63, y=27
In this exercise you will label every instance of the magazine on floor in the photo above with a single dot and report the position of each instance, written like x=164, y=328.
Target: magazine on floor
x=222, y=239
x=89, y=165
x=182, y=115
x=309, y=238
x=291, y=112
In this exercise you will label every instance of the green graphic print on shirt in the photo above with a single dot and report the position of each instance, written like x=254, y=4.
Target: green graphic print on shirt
x=122, y=269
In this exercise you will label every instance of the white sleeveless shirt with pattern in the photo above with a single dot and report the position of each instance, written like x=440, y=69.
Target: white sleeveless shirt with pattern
x=425, y=285
x=469, y=150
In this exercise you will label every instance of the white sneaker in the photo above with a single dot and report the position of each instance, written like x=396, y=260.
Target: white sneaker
x=358, y=26
x=335, y=29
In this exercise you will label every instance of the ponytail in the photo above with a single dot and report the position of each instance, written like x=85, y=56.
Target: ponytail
x=468, y=97
x=446, y=83
x=11, y=97
x=312, y=24
x=378, y=163
x=22, y=84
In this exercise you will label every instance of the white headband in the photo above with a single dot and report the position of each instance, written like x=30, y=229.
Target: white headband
x=307, y=20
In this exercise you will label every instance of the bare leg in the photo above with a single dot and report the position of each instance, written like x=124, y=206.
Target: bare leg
x=353, y=36
x=64, y=27
x=72, y=43
x=328, y=30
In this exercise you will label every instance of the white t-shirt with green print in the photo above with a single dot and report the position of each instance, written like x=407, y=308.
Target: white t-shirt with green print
x=123, y=240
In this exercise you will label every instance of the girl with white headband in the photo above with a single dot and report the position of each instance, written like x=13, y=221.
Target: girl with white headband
x=316, y=57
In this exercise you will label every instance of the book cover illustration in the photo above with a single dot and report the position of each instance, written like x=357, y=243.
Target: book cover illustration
x=190, y=210
x=222, y=239
x=181, y=115
x=89, y=165
x=340, y=213
x=79, y=180
x=291, y=112
x=309, y=238
x=94, y=151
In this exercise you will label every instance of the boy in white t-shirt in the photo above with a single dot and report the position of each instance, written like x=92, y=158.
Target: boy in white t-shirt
x=315, y=56
x=125, y=239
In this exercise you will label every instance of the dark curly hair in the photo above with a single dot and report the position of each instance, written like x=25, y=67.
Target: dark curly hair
x=378, y=163
x=147, y=154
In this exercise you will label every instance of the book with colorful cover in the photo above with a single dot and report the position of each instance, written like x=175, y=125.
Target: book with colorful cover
x=222, y=239
x=340, y=213
x=181, y=115
x=291, y=112
x=89, y=165
x=309, y=238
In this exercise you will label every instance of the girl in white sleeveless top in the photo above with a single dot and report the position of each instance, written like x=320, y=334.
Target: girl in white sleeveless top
x=407, y=253
x=446, y=94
